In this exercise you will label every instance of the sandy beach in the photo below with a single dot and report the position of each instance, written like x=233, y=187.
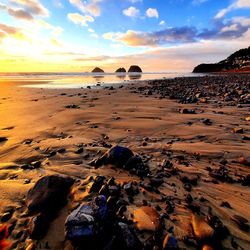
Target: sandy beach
x=197, y=153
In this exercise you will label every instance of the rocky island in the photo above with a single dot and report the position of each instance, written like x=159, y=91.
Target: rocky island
x=97, y=70
x=121, y=70
x=238, y=61
x=135, y=69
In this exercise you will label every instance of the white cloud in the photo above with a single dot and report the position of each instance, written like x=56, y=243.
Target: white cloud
x=152, y=13
x=79, y=19
x=135, y=1
x=162, y=23
x=238, y=4
x=91, y=7
x=34, y=7
x=131, y=12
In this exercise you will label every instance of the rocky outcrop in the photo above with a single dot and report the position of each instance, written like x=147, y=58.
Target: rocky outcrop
x=97, y=70
x=238, y=61
x=120, y=70
x=135, y=69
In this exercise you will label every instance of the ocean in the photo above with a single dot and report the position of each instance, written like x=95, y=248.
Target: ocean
x=83, y=80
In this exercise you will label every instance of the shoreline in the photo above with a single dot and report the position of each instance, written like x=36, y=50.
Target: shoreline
x=202, y=131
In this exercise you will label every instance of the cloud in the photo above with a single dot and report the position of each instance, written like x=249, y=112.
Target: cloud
x=10, y=30
x=152, y=13
x=91, y=7
x=79, y=19
x=198, y=2
x=131, y=12
x=34, y=7
x=238, y=4
x=162, y=23
x=151, y=39
x=231, y=29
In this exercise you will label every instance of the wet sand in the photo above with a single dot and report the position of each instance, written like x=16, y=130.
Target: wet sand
x=85, y=122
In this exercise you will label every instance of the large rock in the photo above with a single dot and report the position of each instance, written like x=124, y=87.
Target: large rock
x=117, y=156
x=147, y=219
x=86, y=223
x=120, y=70
x=135, y=69
x=49, y=194
x=97, y=70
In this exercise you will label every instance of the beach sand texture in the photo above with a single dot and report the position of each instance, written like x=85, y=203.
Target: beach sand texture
x=61, y=131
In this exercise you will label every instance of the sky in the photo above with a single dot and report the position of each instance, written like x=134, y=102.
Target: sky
x=158, y=35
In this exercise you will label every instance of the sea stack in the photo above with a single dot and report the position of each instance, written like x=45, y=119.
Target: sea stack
x=97, y=70
x=135, y=69
x=120, y=70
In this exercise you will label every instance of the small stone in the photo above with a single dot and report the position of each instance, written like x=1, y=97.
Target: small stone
x=36, y=164
x=237, y=130
x=241, y=222
x=170, y=243
x=6, y=216
x=79, y=150
x=201, y=229
x=244, y=160
x=225, y=204
x=3, y=139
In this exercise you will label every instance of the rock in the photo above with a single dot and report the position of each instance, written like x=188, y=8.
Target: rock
x=87, y=221
x=36, y=164
x=207, y=247
x=237, y=130
x=72, y=106
x=225, y=204
x=241, y=222
x=147, y=219
x=6, y=216
x=201, y=229
x=117, y=156
x=247, y=118
x=120, y=70
x=49, y=194
x=97, y=70
x=3, y=139
x=187, y=111
x=38, y=227
x=170, y=243
x=129, y=239
x=135, y=69
x=244, y=160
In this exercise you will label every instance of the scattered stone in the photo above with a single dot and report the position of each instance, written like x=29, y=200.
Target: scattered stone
x=170, y=243
x=49, y=194
x=72, y=106
x=202, y=231
x=225, y=204
x=87, y=222
x=3, y=139
x=187, y=111
x=6, y=216
x=237, y=130
x=244, y=160
x=147, y=219
x=241, y=222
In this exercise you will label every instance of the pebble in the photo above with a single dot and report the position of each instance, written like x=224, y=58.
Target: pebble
x=241, y=222
x=170, y=243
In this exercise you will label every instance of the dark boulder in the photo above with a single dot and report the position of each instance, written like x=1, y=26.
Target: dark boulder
x=97, y=70
x=117, y=156
x=49, y=194
x=135, y=69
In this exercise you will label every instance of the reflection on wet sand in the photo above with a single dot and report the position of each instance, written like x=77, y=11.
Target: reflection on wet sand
x=134, y=76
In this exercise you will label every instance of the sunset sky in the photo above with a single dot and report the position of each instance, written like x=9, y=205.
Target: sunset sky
x=158, y=35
